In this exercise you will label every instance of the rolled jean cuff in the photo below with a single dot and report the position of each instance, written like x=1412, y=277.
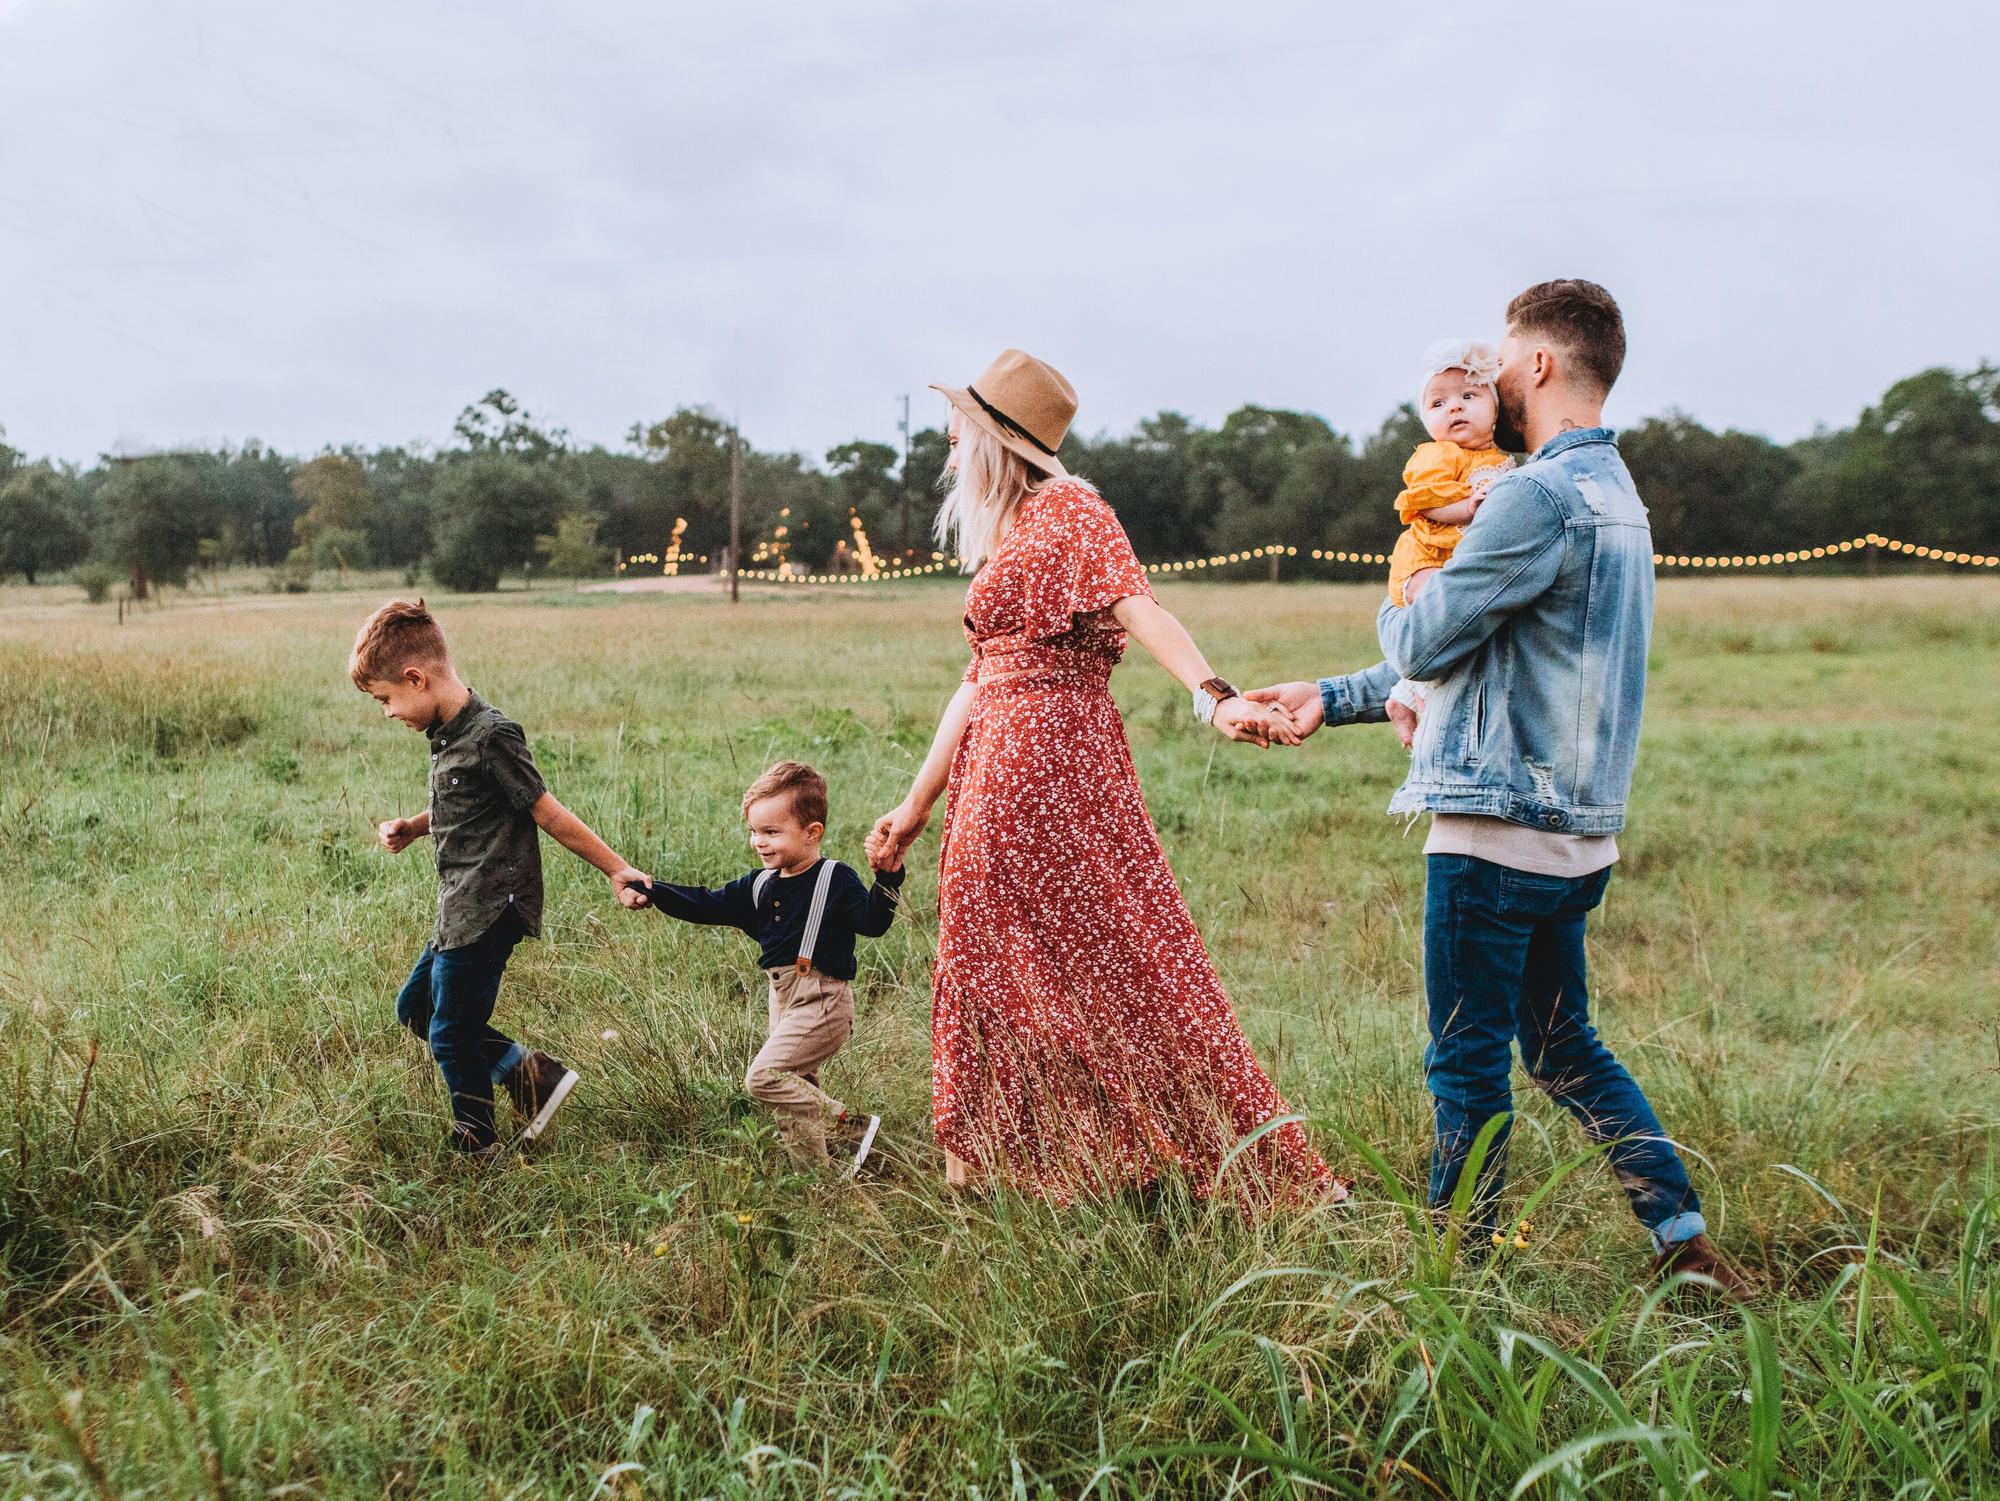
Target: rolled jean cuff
x=1681, y=1227
x=515, y=1056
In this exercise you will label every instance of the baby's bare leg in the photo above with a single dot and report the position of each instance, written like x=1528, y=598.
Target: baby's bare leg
x=1416, y=582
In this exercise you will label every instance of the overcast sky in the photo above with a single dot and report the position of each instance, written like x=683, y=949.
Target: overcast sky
x=225, y=219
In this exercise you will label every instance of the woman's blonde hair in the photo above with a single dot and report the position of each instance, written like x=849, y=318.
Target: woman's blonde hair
x=987, y=486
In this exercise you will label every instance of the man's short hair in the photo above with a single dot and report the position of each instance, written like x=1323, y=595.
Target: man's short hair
x=1580, y=317
x=805, y=788
x=401, y=634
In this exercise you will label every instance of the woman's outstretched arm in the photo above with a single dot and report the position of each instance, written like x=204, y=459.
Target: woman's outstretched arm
x=896, y=830
x=1154, y=627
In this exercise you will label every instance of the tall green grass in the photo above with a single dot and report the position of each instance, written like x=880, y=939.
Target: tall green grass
x=233, y=1263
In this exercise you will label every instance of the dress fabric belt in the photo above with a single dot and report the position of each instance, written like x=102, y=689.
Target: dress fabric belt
x=1070, y=677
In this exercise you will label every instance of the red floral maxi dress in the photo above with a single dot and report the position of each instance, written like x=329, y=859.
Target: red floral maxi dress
x=1080, y=1038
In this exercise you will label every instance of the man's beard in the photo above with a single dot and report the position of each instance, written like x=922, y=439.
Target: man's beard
x=1507, y=434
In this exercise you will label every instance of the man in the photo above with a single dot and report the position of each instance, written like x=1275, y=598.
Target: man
x=1536, y=631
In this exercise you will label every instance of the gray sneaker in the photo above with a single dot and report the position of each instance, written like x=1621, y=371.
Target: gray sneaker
x=538, y=1085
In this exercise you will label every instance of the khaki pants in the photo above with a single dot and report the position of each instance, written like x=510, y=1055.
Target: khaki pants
x=811, y=1016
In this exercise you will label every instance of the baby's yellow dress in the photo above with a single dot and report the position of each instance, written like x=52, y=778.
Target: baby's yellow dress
x=1438, y=474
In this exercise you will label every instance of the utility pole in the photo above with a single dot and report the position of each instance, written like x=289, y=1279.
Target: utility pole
x=735, y=508
x=905, y=427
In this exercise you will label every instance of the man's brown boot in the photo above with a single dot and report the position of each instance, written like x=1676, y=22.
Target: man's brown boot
x=1698, y=1257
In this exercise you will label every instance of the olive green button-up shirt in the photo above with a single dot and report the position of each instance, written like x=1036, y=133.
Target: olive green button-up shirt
x=489, y=853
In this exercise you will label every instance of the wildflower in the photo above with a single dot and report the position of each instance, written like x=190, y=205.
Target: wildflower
x=1520, y=1242
x=609, y=1034
x=660, y=1249
x=1499, y=1239
x=744, y=1219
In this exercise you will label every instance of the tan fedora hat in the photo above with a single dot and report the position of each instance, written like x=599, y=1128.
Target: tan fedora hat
x=1024, y=405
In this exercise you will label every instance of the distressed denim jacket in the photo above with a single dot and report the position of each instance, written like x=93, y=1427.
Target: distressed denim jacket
x=1535, y=637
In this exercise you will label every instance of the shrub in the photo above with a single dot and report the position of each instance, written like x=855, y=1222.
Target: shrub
x=96, y=578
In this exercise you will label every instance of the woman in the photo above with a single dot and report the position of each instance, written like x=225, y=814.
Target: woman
x=1080, y=1039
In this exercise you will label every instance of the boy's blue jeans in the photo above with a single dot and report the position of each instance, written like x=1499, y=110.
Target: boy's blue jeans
x=448, y=1003
x=1503, y=961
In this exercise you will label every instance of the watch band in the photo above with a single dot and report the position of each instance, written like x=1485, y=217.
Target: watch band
x=1209, y=696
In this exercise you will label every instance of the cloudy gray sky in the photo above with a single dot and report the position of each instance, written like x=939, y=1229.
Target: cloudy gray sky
x=238, y=218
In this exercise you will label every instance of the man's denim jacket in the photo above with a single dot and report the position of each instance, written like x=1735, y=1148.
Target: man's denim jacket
x=1534, y=636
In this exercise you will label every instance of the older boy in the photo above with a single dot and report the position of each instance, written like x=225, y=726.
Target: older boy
x=486, y=802
x=804, y=911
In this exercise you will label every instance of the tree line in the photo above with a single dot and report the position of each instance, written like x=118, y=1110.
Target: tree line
x=513, y=493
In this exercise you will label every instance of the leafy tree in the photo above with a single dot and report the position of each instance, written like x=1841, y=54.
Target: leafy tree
x=492, y=507
x=1370, y=523
x=1145, y=478
x=1708, y=491
x=497, y=423
x=1322, y=488
x=1238, y=470
x=333, y=495
x=38, y=527
x=924, y=474
x=338, y=547
x=572, y=550
x=785, y=490
x=399, y=507
x=251, y=491
x=865, y=484
x=158, y=517
x=1924, y=463
x=688, y=476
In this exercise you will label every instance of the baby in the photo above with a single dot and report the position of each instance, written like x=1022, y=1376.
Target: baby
x=1445, y=480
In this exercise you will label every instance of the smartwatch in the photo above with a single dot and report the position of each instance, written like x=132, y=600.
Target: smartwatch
x=1208, y=696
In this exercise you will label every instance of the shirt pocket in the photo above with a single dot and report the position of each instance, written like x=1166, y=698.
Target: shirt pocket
x=455, y=793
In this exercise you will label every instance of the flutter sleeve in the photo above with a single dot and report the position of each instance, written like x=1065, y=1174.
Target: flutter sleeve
x=1079, y=562
x=1431, y=479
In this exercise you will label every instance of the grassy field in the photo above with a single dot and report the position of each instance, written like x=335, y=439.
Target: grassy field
x=232, y=1262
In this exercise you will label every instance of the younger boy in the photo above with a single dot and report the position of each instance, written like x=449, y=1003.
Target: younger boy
x=486, y=801
x=804, y=912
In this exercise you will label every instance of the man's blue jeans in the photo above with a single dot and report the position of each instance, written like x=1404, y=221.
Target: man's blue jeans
x=448, y=1003
x=1503, y=961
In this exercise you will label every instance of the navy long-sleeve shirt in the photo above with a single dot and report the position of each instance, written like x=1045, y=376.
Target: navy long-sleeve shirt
x=778, y=922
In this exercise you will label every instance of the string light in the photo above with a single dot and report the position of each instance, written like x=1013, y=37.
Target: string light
x=870, y=568
x=940, y=563
x=1827, y=550
x=670, y=564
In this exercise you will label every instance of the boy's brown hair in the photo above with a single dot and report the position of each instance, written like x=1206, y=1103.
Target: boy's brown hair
x=1581, y=317
x=400, y=634
x=805, y=787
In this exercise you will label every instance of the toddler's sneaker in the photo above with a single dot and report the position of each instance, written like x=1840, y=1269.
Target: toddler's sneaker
x=538, y=1085
x=858, y=1133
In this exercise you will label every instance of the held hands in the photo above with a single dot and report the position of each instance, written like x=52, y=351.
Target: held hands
x=1298, y=702
x=397, y=834
x=630, y=884
x=1262, y=724
x=894, y=832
